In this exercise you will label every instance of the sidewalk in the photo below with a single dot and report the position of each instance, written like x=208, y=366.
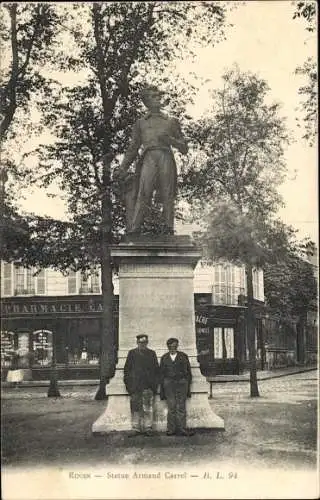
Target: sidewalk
x=245, y=377
x=262, y=374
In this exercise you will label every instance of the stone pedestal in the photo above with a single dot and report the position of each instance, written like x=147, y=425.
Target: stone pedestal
x=156, y=298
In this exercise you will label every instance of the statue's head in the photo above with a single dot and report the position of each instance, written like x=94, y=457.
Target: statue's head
x=151, y=97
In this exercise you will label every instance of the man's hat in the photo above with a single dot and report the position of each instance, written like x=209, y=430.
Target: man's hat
x=142, y=336
x=172, y=340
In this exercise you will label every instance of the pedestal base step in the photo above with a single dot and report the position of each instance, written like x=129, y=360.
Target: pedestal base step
x=117, y=416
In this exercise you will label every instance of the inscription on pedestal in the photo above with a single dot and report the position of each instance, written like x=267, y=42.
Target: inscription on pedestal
x=155, y=271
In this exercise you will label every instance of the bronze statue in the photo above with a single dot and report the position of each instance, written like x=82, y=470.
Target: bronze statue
x=156, y=169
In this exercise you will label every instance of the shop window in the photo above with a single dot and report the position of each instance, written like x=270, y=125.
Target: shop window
x=217, y=343
x=85, y=351
x=229, y=341
x=8, y=347
x=223, y=343
x=42, y=347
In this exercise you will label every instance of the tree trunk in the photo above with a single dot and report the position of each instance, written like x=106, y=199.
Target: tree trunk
x=107, y=340
x=254, y=391
x=301, y=339
x=13, y=82
x=53, y=391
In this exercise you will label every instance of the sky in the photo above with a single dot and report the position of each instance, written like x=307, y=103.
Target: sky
x=266, y=40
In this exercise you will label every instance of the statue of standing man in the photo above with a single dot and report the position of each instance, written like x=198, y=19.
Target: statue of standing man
x=156, y=169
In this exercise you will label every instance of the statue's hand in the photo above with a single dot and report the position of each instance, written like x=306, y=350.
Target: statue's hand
x=169, y=140
x=120, y=175
x=124, y=178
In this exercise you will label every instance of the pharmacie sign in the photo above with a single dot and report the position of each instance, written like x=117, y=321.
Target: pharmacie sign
x=40, y=308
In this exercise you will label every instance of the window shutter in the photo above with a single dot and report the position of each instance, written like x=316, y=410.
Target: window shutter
x=95, y=282
x=31, y=282
x=84, y=285
x=19, y=274
x=7, y=278
x=41, y=283
x=72, y=282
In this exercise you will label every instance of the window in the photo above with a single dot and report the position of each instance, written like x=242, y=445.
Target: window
x=229, y=341
x=223, y=343
x=255, y=283
x=42, y=347
x=95, y=283
x=217, y=343
x=224, y=290
x=84, y=282
x=29, y=281
x=8, y=346
x=85, y=350
x=90, y=283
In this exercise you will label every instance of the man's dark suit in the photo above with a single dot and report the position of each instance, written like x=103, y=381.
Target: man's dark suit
x=175, y=388
x=141, y=378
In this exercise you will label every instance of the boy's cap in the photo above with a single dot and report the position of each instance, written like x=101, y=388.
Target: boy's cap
x=172, y=340
x=142, y=337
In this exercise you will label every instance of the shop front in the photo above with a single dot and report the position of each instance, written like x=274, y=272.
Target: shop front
x=34, y=326
x=221, y=338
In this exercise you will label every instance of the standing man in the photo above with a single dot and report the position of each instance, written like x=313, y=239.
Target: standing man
x=156, y=170
x=141, y=378
x=175, y=373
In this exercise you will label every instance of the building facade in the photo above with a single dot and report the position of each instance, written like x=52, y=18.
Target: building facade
x=46, y=310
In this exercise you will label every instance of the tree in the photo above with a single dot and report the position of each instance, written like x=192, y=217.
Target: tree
x=309, y=91
x=118, y=44
x=31, y=34
x=28, y=35
x=242, y=144
x=307, y=11
x=290, y=285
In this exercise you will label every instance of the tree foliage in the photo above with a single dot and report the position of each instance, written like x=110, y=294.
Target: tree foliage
x=247, y=238
x=28, y=38
x=308, y=11
x=123, y=46
x=234, y=188
x=30, y=29
x=110, y=49
x=290, y=284
x=309, y=91
x=117, y=45
x=242, y=143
